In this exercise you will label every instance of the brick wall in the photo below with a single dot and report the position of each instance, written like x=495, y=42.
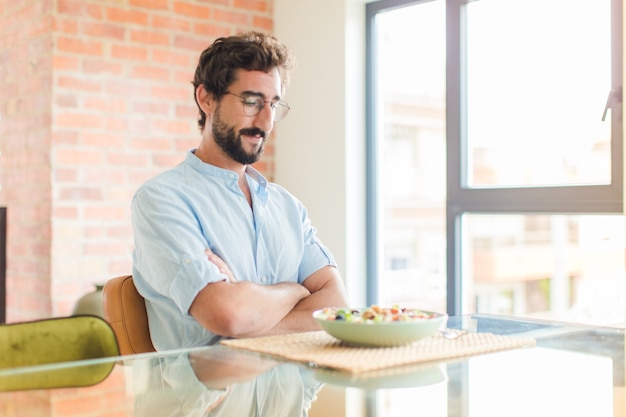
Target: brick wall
x=96, y=98
x=26, y=55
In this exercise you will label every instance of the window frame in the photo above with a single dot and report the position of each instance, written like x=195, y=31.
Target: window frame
x=460, y=199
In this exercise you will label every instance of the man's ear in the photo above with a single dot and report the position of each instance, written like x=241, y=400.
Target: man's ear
x=205, y=100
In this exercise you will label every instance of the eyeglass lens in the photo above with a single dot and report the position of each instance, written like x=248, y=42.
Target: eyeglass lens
x=253, y=105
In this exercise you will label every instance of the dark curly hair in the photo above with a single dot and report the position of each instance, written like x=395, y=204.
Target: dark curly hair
x=251, y=51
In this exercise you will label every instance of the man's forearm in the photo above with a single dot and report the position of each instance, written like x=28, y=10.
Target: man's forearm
x=326, y=291
x=272, y=303
x=245, y=309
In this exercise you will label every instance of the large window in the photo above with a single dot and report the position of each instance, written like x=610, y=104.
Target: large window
x=495, y=157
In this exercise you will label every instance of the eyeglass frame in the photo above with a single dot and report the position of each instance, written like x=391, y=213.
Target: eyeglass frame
x=248, y=106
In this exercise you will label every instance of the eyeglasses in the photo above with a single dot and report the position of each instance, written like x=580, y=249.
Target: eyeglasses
x=252, y=105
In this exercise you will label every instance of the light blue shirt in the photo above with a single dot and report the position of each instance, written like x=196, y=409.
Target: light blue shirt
x=179, y=213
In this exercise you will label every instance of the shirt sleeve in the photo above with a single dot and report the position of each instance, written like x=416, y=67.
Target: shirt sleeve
x=316, y=255
x=169, y=259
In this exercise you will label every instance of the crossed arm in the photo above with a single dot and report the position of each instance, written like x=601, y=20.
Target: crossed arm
x=243, y=309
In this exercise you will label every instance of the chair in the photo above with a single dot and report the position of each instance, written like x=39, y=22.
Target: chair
x=125, y=310
x=38, y=348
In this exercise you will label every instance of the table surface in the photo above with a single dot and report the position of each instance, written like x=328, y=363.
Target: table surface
x=573, y=370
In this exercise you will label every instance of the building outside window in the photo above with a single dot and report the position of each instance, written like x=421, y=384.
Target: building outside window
x=495, y=157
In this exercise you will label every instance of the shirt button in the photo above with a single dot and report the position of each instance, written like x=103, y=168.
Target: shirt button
x=187, y=261
x=264, y=279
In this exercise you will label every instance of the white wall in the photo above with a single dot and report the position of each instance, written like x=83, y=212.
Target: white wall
x=320, y=146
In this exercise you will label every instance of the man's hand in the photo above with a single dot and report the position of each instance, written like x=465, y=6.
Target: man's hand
x=224, y=269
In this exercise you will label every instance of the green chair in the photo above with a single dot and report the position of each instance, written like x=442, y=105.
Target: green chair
x=31, y=353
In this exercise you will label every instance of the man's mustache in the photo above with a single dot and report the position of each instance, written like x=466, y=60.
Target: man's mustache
x=253, y=132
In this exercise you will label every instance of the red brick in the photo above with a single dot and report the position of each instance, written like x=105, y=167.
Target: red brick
x=103, y=140
x=37, y=304
x=189, y=111
x=252, y=5
x=110, y=175
x=73, y=83
x=171, y=23
x=122, y=195
x=80, y=8
x=116, y=124
x=150, y=37
x=150, y=73
x=64, y=212
x=102, y=66
x=127, y=88
x=166, y=161
x=191, y=10
x=79, y=46
x=212, y=30
x=171, y=57
x=133, y=17
x=219, y=2
x=183, y=93
x=264, y=23
x=78, y=157
x=184, y=78
x=120, y=231
x=126, y=159
x=102, y=249
x=162, y=144
x=150, y=107
x=103, y=30
x=175, y=127
x=126, y=124
x=196, y=44
x=65, y=25
x=65, y=137
x=79, y=193
x=105, y=104
x=150, y=4
x=183, y=145
x=95, y=232
x=70, y=119
x=135, y=53
x=64, y=62
x=229, y=16
x=117, y=268
x=66, y=100
x=105, y=212
x=65, y=175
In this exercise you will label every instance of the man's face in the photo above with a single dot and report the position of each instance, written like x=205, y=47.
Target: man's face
x=240, y=136
x=232, y=144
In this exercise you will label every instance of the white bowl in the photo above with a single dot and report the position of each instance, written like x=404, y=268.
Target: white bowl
x=385, y=333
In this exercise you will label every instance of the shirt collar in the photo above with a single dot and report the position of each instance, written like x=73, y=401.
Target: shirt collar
x=208, y=169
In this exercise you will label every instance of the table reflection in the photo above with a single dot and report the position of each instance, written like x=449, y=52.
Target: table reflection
x=573, y=371
x=538, y=382
x=221, y=382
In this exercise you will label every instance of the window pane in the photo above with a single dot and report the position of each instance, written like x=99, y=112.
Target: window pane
x=549, y=266
x=538, y=79
x=411, y=143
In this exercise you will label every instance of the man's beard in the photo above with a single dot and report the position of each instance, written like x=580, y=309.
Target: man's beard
x=230, y=142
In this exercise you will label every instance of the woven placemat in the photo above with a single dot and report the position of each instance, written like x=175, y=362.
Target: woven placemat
x=318, y=348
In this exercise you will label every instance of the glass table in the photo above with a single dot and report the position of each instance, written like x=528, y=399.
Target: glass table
x=573, y=370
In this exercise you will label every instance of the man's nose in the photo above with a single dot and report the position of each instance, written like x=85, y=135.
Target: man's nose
x=265, y=118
